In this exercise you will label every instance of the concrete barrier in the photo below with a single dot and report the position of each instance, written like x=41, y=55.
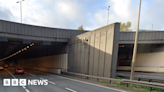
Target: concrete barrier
x=49, y=70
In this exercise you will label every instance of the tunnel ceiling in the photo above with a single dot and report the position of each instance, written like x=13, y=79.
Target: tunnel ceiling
x=38, y=50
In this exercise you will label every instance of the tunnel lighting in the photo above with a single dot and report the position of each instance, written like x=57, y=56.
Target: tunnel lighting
x=27, y=46
x=17, y=52
x=121, y=46
x=32, y=44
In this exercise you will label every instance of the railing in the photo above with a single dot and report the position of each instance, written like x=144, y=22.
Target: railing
x=141, y=83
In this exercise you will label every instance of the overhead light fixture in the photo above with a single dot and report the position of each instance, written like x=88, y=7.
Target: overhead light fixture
x=32, y=44
x=25, y=48
x=18, y=52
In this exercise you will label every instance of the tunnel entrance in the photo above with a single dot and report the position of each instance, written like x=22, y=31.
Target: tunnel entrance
x=34, y=54
x=125, y=55
x=149, y=57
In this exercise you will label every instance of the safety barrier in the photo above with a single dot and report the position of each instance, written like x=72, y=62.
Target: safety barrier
x=141, y=83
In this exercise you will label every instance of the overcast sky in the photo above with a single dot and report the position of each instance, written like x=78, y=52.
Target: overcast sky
x=91, y=14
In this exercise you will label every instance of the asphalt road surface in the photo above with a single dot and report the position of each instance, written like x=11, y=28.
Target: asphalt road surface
x=55, y=83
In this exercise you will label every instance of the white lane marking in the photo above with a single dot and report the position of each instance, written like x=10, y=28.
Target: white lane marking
x=88, y=83
x=15, y=78
x=70, y=89
x=49, y=81
x=10, y=73
x=25, y=89
x=92, y=84
x=31, y=74
x=23, y=86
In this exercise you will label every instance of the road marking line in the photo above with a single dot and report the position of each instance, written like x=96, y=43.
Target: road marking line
x=15, y=78
x=10, y=73
x=49, y=81
x=92, y=84
x=87, y=83
x=27, y=90
x=31, y=74
x=24, y=87
x=70, y=89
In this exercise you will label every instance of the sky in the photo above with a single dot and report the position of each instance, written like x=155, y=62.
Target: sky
x=92, y=14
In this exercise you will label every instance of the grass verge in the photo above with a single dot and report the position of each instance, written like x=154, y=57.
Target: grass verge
x=130, y=87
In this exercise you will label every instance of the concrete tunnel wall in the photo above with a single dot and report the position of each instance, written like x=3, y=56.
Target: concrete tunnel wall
x=147, y=62
x=52, y=64
x=149, y=59
x=98, y=55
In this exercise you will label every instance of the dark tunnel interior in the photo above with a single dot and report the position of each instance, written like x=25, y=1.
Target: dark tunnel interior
x=39, y=49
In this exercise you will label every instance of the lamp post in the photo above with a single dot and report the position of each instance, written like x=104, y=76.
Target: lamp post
x=108, y=15
x=20, y=8
x=135, y=46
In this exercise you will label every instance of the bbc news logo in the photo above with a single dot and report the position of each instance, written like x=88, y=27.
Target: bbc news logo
x=24, y=82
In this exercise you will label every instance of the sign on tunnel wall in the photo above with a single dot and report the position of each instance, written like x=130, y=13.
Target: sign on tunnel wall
x=95, y=52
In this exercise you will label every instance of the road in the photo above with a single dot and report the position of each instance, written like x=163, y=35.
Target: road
x=55, y=83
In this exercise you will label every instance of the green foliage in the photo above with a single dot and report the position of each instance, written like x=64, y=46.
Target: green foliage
x=118, y=77
x=125, y=26
x=157, y=89
x=131, y=86
x=120, y=83
x=144, y=87
x=80, y=28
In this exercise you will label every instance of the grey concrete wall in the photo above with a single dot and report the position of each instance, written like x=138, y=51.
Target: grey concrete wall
x=24, y=31
x=147, y=62
x=143, y=37
x=52, y=62
x=49, y=70
x=98, y=55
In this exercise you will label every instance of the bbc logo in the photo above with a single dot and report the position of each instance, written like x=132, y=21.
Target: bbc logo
x=14, y=82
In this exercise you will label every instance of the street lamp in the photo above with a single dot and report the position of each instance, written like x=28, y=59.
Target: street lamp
x=20, y=8
x=135, y=45
x=108, y=15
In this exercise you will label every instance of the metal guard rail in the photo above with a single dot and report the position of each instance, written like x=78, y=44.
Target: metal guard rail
x=141, y=83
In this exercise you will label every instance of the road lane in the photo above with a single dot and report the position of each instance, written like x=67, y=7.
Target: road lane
x=78, y=86
x=56, y=83
x=38, y=88
x=5, y=75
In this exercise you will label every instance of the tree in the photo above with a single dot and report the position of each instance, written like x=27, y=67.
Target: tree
x=80, y=28
x=125, y=26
